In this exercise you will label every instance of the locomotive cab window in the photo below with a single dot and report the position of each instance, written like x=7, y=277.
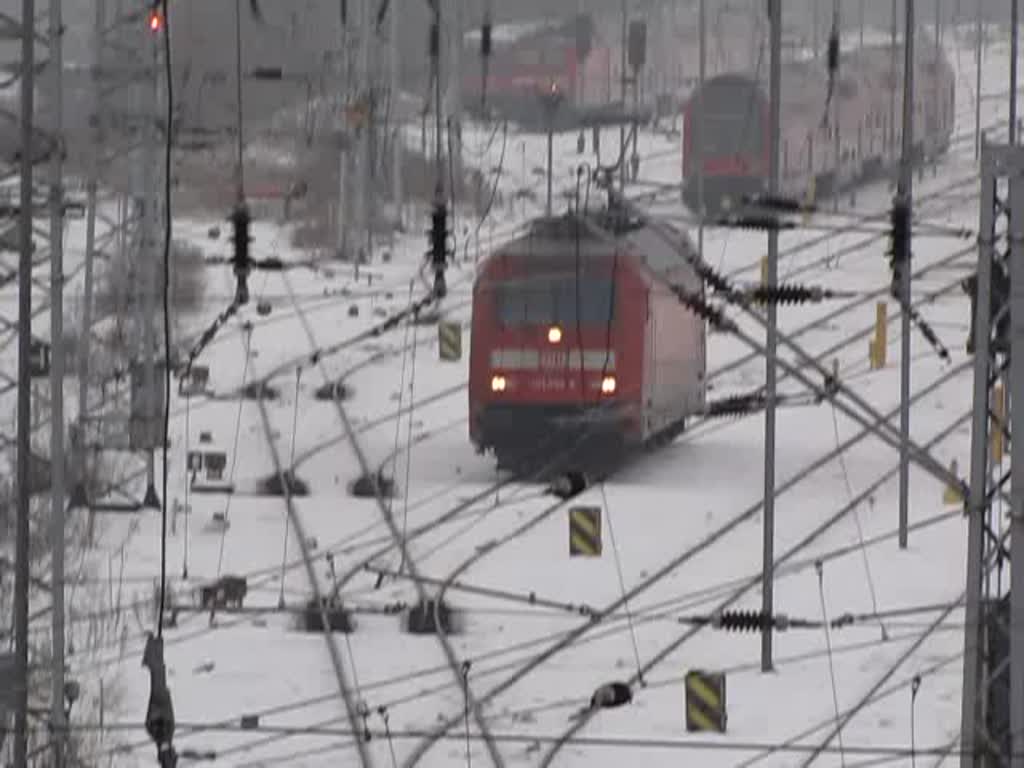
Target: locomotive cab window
x=536, y=301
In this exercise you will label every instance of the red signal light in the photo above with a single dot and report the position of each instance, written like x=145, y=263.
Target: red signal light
x=156, y=20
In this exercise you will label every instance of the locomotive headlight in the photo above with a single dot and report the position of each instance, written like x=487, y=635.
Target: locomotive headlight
x=498, y=384
x=608, y=385
x=554, y=334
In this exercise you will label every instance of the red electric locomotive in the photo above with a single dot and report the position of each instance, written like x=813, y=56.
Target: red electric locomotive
x=580, y=348
x=820, y=151
x=532, y=60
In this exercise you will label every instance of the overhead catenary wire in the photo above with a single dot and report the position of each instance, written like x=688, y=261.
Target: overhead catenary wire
x=406, y=490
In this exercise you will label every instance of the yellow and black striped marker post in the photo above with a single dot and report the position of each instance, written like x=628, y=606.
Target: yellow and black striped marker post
x=705, y=701
x=449, y=339
x=585, y=532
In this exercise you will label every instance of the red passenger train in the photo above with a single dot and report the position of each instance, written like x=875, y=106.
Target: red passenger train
x=580, y=348
x=818, y=152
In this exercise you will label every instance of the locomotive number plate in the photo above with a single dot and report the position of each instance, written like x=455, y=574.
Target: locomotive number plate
x=549, y=384
x=554, y=359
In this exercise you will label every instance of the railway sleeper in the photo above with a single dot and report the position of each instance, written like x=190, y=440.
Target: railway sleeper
x=339, y=619
x=370, y=486
x=284, y=483
x=424, y=617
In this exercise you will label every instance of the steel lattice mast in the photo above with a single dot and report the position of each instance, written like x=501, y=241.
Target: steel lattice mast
x=992, y=712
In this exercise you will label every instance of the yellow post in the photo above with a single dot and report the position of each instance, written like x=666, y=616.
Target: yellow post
x=809, y=198
x=998, y=422
x=764, y=278
x=881, y=344
x=873, y=355
x=951, y=494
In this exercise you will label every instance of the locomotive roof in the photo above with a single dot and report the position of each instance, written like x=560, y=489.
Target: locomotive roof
x=659, y=248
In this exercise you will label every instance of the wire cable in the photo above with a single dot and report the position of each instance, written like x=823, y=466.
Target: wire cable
x=408, y=447
x=622, y=588
x=187, y=483
x=914, y=685
x=857, y=521
x=820, y=570
x=398, y=407
x=234, y=451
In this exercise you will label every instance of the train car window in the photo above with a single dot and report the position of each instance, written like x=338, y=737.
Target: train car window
x=538, y=301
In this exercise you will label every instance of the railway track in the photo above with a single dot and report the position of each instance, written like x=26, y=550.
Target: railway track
x=401, y=544
x=708, y=541
x=466, y=565
x=300, y=535
x=448, y=581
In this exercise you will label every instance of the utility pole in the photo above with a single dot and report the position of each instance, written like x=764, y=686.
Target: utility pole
x=551, y=157
x=768, y=554
x=622, y=83
x=366, y=95
x=893, y=36
x=551, y=101
x=992, y=704
x=936, y=91
x=816, y=27
x=396, y=143
x=344, y=73
x=56, y=65
x=84, y=337
x=146, y=204
x=836, y=122
x=861, y=23
x=439, y=212
x=977, y=79
x=1014, y=21
x=21, y=573
x=457, y=31
x=1016, y=422
x=698, y=139
x=904, y=196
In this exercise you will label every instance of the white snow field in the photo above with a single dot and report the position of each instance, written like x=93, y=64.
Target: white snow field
x=682, y=526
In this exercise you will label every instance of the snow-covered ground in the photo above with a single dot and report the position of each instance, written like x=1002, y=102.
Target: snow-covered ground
x=683, y=527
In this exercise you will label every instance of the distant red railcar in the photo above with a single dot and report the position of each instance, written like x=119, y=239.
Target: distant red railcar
x=820, y=150
x=580, y=349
